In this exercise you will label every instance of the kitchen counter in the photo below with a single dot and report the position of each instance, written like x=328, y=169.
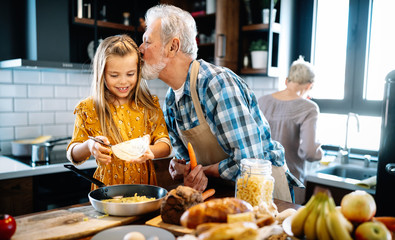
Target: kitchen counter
x=11, y=168
x=139, y=220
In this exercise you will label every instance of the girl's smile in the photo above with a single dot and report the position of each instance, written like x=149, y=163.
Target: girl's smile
x=121, y=76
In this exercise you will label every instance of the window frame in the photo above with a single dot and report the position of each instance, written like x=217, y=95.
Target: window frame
x=358, y=37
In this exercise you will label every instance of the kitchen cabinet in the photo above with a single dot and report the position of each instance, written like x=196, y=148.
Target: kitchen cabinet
x=227, y=34
x=101, y=19
x=253, y=29
x=43, y=192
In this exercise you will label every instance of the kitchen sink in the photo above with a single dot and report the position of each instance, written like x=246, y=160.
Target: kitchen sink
x=349, y=171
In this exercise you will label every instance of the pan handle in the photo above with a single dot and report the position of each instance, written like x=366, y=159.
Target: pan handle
x=84, y=175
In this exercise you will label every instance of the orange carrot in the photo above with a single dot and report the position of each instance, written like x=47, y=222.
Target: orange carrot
x=389, y=222
x=192, y=157
x=208, y=193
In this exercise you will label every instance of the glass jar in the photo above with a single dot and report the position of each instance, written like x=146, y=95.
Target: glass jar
x=255, y=183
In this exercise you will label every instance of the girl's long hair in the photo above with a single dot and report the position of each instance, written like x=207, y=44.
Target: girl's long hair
x=120, y=45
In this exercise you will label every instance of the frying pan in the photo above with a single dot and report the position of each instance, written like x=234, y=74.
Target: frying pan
x=123, y=190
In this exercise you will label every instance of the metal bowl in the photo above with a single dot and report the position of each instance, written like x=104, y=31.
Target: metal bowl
x=127, y=190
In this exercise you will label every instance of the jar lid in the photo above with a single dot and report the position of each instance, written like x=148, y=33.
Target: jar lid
x=257, y=166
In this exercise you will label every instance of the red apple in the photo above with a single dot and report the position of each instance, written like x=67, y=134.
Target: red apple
x=358, y=206
x=372, y=231
x=7, y=226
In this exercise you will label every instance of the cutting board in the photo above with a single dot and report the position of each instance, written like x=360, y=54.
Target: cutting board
x=177, y=230
x=69, y=223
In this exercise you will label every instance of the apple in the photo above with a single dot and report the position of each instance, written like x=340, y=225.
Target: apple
x=7, y=226
x=358, y=206
x=372, y=231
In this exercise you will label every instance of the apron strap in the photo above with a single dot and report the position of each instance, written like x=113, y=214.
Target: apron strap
x=195, y=98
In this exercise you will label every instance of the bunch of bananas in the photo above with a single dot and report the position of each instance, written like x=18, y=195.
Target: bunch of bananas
x=319, y=219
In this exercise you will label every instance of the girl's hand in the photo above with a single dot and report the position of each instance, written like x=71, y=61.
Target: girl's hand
x=146, y=156
x=99, y=151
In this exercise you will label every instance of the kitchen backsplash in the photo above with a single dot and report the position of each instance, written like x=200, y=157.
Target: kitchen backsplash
x=41, y=102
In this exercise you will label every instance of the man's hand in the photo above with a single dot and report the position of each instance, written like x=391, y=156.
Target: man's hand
x=177, y=168
x=196, y=178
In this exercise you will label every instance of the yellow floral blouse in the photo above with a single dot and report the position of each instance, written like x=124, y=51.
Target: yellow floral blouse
x=130, y=121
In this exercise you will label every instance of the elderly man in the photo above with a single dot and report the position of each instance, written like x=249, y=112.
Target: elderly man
x=207, y=105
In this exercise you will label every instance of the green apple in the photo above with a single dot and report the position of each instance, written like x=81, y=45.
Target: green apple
x=372, y=231
x=358, y=206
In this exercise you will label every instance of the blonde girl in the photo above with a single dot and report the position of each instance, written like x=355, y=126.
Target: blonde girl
x=120, y=108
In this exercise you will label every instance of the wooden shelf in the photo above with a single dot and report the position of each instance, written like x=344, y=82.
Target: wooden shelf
x=253, y=71
x=206, y=45
x=261, y=27
x=273, y=71
x=103, y=24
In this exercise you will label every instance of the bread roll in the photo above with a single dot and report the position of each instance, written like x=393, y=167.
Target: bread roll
x=215, y=210
x=177, y=201
x=236, y=231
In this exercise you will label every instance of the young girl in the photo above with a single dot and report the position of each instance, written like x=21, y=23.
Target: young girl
x=120, y=108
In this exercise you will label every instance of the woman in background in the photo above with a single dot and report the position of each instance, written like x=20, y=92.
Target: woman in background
x=120, y=108
x=293, y=120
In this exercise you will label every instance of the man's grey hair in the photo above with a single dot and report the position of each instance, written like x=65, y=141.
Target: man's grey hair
x=175, y=22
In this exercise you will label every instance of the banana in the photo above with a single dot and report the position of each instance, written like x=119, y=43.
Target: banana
x=335, y=225
x=322, y=230
x=299, y=218
x=311, y=220
x=349, y=226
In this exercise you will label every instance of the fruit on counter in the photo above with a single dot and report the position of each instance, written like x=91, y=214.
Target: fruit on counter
x=322, y=229
x=319, y=219
x=389, y=222
x=311, y=219
x=299, y=218
x=7, y=226
x=372, y=231
x=338, y=226
x=358, y=206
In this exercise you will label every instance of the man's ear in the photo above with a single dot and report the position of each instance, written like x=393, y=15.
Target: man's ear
x=174, y=46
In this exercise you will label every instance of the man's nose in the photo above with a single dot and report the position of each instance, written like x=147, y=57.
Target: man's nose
x=141, y=48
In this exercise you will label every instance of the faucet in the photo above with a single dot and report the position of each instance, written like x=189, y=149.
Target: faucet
x=345, y=152
x=367, y=160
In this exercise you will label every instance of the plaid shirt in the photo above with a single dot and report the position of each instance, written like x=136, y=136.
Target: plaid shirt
x=231, y=111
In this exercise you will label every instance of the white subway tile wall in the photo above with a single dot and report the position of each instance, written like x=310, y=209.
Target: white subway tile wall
x=41, y=102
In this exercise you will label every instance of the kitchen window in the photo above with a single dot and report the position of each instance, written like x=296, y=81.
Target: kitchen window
x=352, y=50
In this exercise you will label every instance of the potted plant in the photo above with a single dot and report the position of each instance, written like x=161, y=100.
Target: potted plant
x=258, y=51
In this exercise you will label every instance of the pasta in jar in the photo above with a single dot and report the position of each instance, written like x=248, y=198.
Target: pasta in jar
x=255, y=183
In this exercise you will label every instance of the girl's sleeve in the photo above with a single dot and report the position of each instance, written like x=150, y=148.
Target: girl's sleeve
x=82, y=123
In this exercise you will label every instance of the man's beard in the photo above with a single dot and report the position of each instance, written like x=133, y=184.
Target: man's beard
x=151, y=71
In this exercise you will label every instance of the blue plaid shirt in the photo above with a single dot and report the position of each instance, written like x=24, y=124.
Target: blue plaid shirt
x=231, y=111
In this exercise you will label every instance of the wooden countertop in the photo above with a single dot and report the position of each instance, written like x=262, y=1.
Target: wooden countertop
x=223, y=189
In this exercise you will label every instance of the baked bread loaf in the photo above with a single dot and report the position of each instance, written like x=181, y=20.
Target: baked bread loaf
x=235, y=231
x=215, y=210
x=177, y=201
